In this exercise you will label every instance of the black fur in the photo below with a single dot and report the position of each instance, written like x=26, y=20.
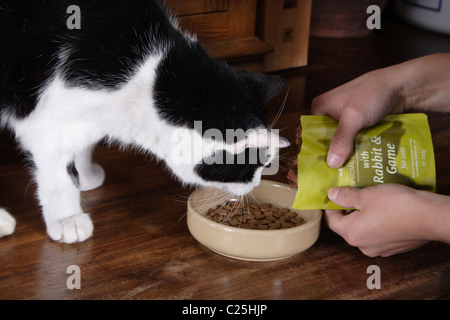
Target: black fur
x=73, y=173
x=226, y=170
x=192, y=86
x=115, y=37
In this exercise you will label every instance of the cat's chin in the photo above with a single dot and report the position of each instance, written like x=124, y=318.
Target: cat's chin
x=239, y=189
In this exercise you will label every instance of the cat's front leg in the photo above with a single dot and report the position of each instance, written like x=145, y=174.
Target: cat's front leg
x=7, y=223
x=90, y=175
x=59, y=198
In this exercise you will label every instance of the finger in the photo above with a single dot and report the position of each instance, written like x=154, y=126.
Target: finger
x=336, y=221
x=345, y=196
x=341, y=146
x=333, y=218
x=318, y=105
x=325, y=104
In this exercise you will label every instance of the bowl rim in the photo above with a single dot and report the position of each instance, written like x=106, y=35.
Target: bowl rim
x=316, y=217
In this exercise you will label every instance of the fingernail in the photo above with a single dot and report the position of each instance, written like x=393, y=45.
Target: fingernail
x=332, y=194
x=334, y=161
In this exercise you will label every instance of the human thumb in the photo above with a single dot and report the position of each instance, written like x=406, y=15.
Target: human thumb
x=345, y=197
x=341, y=146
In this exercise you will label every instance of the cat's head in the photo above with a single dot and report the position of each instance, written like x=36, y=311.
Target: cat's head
x=221, y=137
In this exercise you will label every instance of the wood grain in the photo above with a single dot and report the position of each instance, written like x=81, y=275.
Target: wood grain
x=226, y=28
x=287, y=30
x=237, y=21
x=142, y=249
x=191, y=7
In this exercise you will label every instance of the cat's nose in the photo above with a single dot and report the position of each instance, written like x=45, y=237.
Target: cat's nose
x=283, y=142
x=266, y=138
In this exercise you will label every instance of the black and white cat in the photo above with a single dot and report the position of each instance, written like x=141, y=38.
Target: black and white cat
x=127, y=74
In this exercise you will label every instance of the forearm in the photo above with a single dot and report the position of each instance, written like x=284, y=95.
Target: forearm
x=435, y=216
x=425, y=83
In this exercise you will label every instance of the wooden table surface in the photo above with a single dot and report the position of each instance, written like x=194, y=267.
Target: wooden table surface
x=142, y=249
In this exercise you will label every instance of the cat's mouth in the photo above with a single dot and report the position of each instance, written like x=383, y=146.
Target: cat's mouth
x=237, y=168
x=236, y=179
x=233, y=163
x=240, y=189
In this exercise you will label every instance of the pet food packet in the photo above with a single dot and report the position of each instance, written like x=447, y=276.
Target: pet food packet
x=398, y=150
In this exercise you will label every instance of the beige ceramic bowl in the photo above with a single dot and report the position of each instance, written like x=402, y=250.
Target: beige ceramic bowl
x=247, y=244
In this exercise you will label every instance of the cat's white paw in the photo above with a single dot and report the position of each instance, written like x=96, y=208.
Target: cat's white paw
x=76, y=228
x=7, y=223
x=92, y=178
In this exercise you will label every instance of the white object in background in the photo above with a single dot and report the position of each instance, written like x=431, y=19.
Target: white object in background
x=433, y=15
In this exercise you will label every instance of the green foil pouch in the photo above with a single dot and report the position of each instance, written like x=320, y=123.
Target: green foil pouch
x=398, y=150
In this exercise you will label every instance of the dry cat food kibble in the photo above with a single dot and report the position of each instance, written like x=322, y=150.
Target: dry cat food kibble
x=253, y=216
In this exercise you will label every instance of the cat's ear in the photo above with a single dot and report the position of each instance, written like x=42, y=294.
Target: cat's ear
x=266, y=86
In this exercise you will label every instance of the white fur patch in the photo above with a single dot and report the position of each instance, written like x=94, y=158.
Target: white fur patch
x=68, y=121
x=7, y=223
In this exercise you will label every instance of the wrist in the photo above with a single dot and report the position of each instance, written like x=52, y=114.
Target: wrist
x=402, y=79
x=435, y=212
x=396, y=81
x=424, y=83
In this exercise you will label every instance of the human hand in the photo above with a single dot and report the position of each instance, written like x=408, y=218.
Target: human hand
x=389, y=218
x=357, y=104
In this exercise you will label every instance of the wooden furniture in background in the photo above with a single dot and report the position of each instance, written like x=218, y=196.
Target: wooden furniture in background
x=257, y=35
x=226, y=28
x=285, y=26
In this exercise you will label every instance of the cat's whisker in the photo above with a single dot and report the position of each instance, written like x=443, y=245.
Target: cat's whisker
x=255, y=200
x=219, y=199
x=218, y=194
x=280, y=110
x=288, y=126
x=282, y=162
